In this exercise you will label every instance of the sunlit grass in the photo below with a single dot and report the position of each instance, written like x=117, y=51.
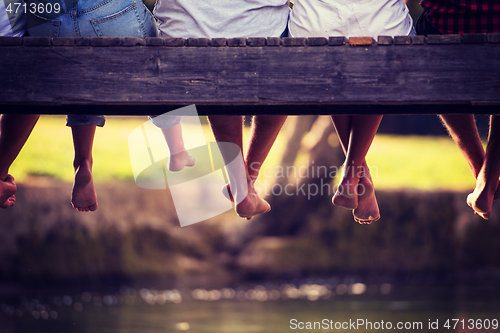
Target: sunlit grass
x=420, y=162
x=425, y=163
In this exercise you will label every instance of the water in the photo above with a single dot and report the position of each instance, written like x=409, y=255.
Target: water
x=270, y=309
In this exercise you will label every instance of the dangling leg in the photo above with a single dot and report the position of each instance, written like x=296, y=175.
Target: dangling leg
x=356, y=189
x=179, y=157
x=242, y=190
x=15, y=130
x=264, y=132
x=481, y=199
x=83, y=197
x=463, y=130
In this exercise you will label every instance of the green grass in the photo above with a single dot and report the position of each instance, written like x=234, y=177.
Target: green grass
x=419, y=162
x=424, y=163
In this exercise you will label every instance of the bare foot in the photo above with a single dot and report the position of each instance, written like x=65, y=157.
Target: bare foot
x=83, y=197
x=7, y=189
x=178, y=161
x=367, y=210
x=346, y=194
x=250, y=206
x=481, y=200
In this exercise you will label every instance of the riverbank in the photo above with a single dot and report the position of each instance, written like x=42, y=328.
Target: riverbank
x=135, y=234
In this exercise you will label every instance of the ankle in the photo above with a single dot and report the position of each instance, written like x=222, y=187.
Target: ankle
x=82, y=162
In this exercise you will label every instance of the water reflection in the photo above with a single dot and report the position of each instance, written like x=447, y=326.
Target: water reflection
x=258, y=308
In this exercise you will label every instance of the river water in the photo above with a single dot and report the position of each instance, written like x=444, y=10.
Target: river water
x=306, y=307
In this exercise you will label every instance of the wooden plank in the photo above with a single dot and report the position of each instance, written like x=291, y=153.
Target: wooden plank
x=336, y=40
x=273, y=41
x=452, y=74
x=274, y=109
x=198, y=42
x=82, y=41
x=11, y=41
x=297, y=41
x=235, y=42
x=256, y=41
x=493, y=38
x=384, y=40
x=154, y=41
x=106, y=41
x=134, y=41
x=317, y=41
x=63, y=41
x=218, y=42
x=474, y=38
x=37, y=41
x=361, y=41
x=402, y=40
x=444, y=39
x=418, y=40
x=174, y=42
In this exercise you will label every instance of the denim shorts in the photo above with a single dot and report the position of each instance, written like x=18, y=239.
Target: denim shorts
x=94, y=18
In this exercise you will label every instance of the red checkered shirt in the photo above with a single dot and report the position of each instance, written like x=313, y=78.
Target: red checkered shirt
x=463, y=16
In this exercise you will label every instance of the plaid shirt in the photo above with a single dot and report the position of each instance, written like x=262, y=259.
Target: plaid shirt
x=463, y=16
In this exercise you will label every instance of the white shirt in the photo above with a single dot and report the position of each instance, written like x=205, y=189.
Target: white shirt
x=222, y=18
x=360, y=18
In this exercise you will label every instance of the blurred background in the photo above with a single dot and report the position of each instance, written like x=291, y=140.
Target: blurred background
x=130, y=267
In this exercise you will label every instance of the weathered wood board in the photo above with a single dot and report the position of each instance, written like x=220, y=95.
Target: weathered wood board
x=404, y=75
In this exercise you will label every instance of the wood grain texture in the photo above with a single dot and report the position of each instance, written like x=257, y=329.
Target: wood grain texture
x=401, y=79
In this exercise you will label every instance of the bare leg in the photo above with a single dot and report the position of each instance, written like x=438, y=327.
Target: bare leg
x=264, y=132
x=15, y=130
x=229, y=129
x=179, y=157
x=356, y=189
x=83, y=198
x=463, y=130
x=481, y=199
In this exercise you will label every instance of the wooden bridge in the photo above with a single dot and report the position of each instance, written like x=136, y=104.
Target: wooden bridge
x=132, y=76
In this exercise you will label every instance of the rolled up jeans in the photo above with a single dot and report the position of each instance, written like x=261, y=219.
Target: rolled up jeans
x=94, y=18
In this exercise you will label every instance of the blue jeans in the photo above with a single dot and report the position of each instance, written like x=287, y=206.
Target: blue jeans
x=94, y=18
